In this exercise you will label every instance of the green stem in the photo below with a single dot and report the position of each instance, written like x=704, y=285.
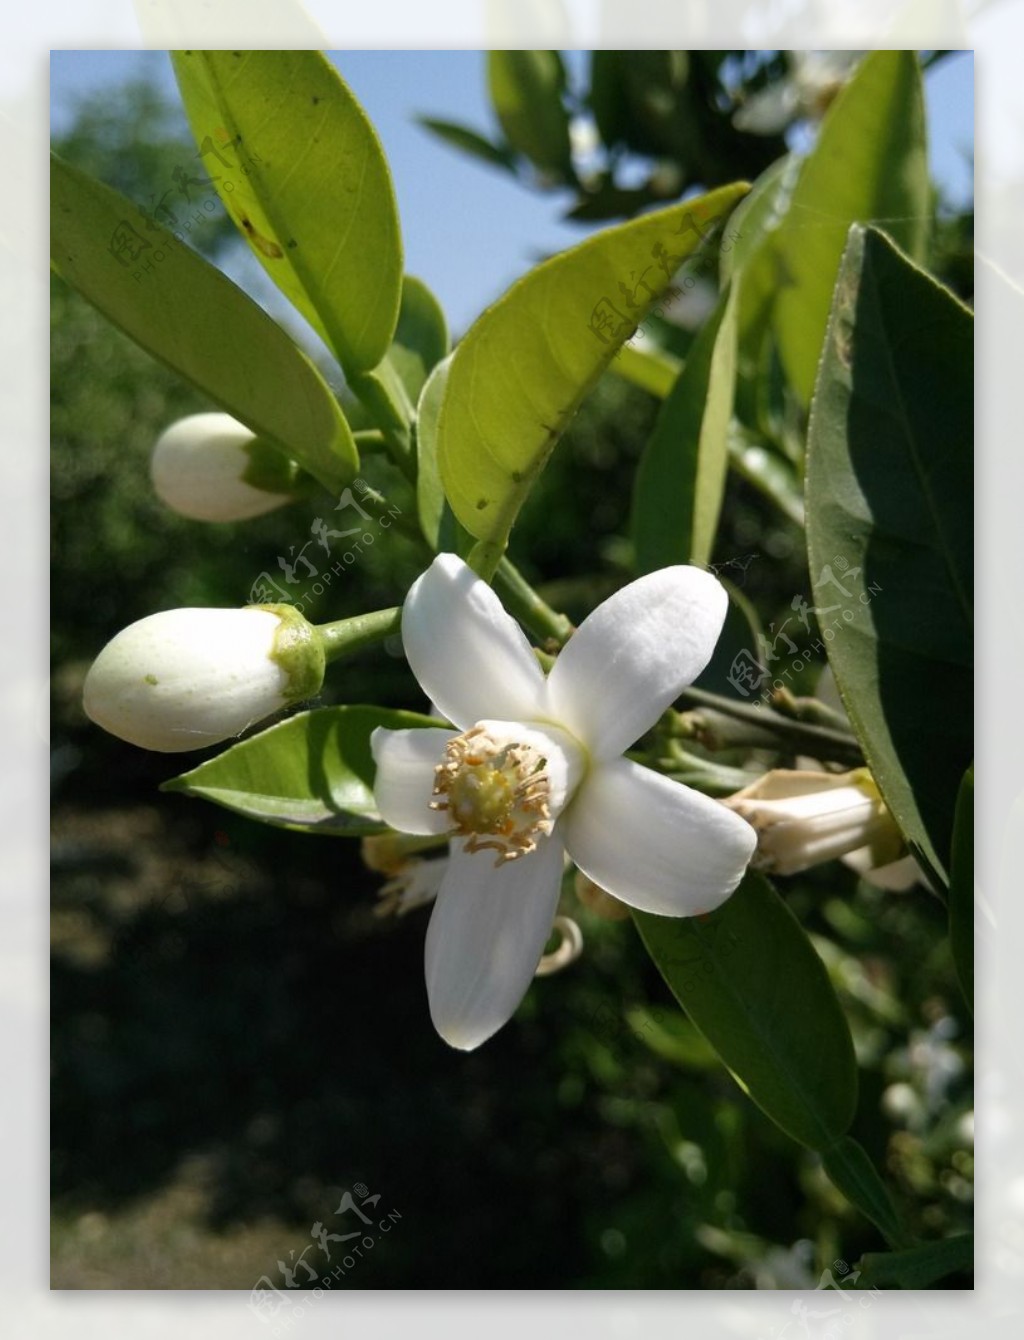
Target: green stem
x=714, y=779
x=384, y=396
x=836, y=745
x=370, y=441
x=521, y=600
x=349, y=635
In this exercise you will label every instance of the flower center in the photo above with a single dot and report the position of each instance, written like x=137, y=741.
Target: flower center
x=496, y=791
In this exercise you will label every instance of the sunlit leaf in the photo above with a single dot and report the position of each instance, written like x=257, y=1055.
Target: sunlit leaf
x=437, y=521
x=680, y=480
x=182, y=310
x=868, y=165
x=889, y=515
x=523, y=368
x=301, y=171
x=313, y=771
x=421, y=336
x=753, y=985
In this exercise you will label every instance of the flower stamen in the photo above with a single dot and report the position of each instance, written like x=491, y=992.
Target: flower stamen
x=496, y=791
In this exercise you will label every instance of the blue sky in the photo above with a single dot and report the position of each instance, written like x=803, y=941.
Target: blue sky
x=470, y=230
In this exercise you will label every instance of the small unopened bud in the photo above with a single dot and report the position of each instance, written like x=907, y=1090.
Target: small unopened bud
x=210, y=467
x=188, y=678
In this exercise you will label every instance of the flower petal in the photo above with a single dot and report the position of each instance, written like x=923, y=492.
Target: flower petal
x=629, y=660
x=654, y=843
x=486, y=936
x=406, y=760
x=470, y=657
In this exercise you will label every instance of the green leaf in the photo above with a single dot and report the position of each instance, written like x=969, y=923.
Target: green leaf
x=680, y=480
x=421, y=337
x=751, y=982
x=848, y=1167
x=652, y=370
x=183, y=311
x=430, y=499
x=301, y=171
x=313, y=771
x=526, y=89
x=521, y=371
x=889, y=496
x=869, y=164
x=961, y=887
x=756, y=217
x=672, y=1037
x=437, y=522
x=462, y=137
x=917, y=1267
x=608, y=96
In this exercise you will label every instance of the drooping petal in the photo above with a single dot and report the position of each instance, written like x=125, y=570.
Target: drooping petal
x=406, y=760
x=654, y=843
x=629, y=660
x=486, y=937
x=471, y=658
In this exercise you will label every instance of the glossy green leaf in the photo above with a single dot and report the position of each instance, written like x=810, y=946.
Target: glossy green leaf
x=301, y=171
x=868, y=164
x=756, y=217
x=961, y=887
x=437, y=521
x=313, y=771
x=750, y=250
x=526, y=89
x=421, y=337
x=523, y=368
x=890, y=516
x=849, y=1168
x=917, y=1267
x=680, y=481
x=470, y=142
x=182, y=310
x=750, y=981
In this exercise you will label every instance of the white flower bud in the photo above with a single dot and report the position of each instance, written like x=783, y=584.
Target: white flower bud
x=188, y=678
x=210, y=467
x=805, y=818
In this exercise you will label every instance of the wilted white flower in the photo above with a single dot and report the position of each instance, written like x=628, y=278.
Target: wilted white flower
x=187, y=678
x=210, y=467
x=535, y=769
